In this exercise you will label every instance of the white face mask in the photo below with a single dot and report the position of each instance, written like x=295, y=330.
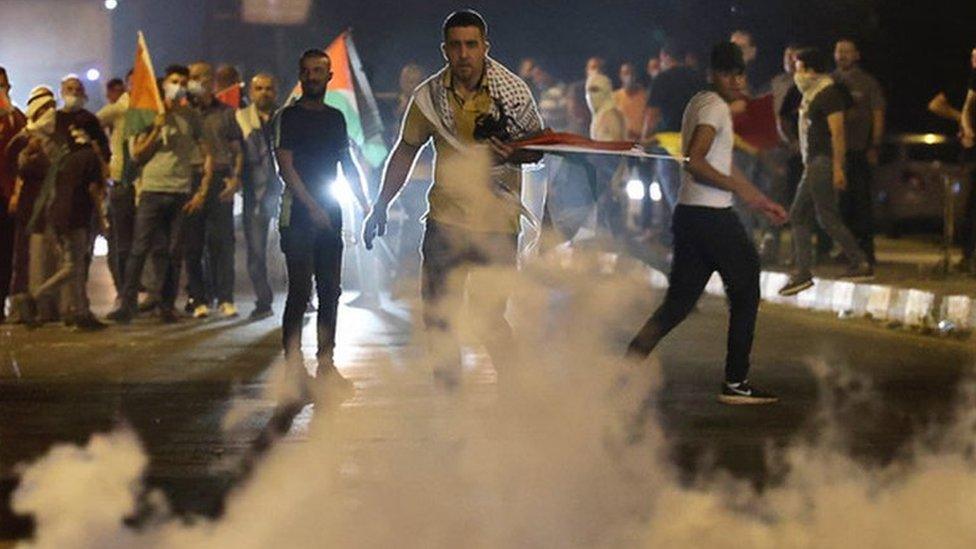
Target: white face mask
x=194, y=88
x=599, y=92
x=43, y=124
x=74, y=102
x=173, y=92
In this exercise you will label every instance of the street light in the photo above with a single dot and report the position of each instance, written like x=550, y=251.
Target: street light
x=93, y=74
x=111, y=4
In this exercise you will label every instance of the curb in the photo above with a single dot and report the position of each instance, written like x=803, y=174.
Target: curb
x=898, y=307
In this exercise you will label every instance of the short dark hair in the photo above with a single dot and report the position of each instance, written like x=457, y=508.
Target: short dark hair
x=466, y=18
x=675, y=49
x=181, y=70
x=313, y=53
x=115, y=83
x=727, y=57
x=849, y=40
x=812, y=59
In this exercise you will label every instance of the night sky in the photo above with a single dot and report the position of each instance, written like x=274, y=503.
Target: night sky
x=915, y=48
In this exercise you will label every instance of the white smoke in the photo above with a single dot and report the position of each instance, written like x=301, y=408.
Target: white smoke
x=550, y=456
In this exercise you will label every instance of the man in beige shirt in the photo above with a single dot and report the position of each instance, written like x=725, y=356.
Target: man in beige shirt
x=468, y=110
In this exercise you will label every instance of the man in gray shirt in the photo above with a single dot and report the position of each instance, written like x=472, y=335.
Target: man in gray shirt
x=864, y=125
x=164, y=154
x=211, y=230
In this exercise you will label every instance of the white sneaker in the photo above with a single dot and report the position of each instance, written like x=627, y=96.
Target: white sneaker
x=227, y=310
x=201, y=311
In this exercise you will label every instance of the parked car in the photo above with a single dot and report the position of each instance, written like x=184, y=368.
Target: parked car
x=909, y=183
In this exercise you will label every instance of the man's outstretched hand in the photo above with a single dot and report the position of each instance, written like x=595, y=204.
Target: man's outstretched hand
x=761, y=203
x=375, y=224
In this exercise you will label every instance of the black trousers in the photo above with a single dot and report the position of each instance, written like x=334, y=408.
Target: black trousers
x=708, y=240
x=211, y=231
x=257, y=219
x=856, y=208
x=122, y=216
x=158, y=226
x=311, y=253
x=8, y=227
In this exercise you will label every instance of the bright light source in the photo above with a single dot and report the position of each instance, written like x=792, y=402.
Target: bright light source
x=635, y=189
x=93, y=75
x=111, y=4
x=340, y=191
x=101, y=247
x=656, y=194
x=931, y=138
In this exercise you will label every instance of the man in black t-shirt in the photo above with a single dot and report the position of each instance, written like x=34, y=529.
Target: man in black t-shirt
x=670, y=93
x=311, y=141
x=823, y=146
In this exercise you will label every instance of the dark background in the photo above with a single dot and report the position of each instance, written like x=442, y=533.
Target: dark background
x=915, y=48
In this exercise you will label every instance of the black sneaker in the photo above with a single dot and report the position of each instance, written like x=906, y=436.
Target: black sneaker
x=329, y=383
x=122, y=315
x=796, y=284
x=260, y=313
x=168, y=315
x=88, y=323
x=743, y=393
x=863, y=272
x=28, y=312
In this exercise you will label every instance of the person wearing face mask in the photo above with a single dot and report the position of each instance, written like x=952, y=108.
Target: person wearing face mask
x=164, y=155
x=823, y=146
x=708, y=235
x=37, y=150
x=608, y=123
x=631, y=100
x=261, y=186
x=77, y=173
x=12, y=120
x=210, y=232
x=77, y=124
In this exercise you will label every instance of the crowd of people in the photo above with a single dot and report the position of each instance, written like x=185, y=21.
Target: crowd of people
x=162, y=193
x=162, y=197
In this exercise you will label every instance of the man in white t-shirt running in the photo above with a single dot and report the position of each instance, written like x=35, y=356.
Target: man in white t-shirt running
x=708, y=236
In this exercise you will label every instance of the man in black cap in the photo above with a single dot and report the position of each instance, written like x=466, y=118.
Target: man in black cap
x=708, y=235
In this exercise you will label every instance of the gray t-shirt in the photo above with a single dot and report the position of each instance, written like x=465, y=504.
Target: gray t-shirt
x=859, y=118
x=219, y=130
x=170, y=169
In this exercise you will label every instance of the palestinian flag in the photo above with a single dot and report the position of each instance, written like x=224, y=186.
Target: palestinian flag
x=144, y=102
x=350, y=93
x=231, y=95
x=5, y=104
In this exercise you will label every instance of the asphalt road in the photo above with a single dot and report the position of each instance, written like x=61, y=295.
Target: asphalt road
x=173, y=385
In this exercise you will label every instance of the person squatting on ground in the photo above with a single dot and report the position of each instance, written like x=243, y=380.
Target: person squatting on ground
x=708, y=236
x=469, y=109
